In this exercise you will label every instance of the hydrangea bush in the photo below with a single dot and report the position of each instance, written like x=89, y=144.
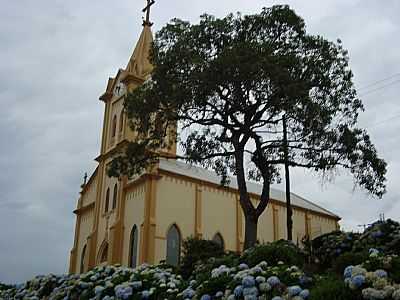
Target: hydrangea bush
x=382, y=236
x=274, y=271
x=374, y=278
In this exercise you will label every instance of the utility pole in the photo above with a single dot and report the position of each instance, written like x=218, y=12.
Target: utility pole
x=289, y=212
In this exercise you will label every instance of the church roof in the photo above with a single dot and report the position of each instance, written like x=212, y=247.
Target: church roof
x=253, y=187
x=139, y=63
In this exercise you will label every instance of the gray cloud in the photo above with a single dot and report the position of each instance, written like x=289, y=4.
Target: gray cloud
x=56, y=57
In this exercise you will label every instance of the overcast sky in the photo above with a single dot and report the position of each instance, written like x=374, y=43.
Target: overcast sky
x=55, y=59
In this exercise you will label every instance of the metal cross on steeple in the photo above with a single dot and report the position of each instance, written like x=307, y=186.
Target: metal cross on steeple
x=146, y=22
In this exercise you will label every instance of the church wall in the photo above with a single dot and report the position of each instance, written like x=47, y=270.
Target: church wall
x=265, y=226
x=89, y=196
x=85, y=230
x=321, y=225
x=133, y=215
x=282, y=232
x=106, y=220
x=299, y=225
x=117, y=106
x=175, y=203
x=219, y=215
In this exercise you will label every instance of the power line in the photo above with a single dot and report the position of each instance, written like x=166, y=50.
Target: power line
x=379, y=88
x=377, y=82
x=384, y=121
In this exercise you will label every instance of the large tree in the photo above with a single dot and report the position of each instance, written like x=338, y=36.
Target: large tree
x=228, y=82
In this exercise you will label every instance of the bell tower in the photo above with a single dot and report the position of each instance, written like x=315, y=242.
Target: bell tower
x=116, y=134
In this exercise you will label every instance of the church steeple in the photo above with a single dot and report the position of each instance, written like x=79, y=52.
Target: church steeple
x=139, y=64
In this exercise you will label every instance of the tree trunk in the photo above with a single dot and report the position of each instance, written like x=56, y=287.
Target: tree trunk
x=250, y=234
x=289, y=212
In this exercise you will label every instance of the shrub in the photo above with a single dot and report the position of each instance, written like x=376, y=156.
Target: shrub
x=395, y=270
x=197, y=250
x=328, y=247
x=273, y=253
x=333, y=288
x=348, y=259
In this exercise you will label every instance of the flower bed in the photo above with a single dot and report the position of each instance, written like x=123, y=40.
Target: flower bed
x=266, y=272
x=377, y=278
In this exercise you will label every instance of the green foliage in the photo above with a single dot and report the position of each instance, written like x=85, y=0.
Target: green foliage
x=279, y=251
x=395, y=270
x=196, y=250
x=328, y=247
x=347, y=259
x=203, y=270
x=214, y=285
x=333, y=288
x=227, y=82
x=4, y=287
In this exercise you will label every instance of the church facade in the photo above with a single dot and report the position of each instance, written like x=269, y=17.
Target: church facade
x=145, y=219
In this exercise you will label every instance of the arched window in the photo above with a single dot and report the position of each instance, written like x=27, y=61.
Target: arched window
x=114, y=126
x=173, y=246
x=107, y=205
x=104, y=254
x=218, y=239
x=115, y=194
x=133, y=247
x=121, y=121
x=82, y=267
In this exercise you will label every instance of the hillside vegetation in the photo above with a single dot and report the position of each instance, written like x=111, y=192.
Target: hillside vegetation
x=337, y=266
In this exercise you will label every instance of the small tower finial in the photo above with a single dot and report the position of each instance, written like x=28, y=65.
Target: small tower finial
x=85, y=177
x=146, y=22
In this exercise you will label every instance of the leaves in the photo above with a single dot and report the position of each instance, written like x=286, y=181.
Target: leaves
x=227, y=83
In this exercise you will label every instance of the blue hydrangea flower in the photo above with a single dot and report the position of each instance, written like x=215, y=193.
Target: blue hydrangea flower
x=145, y=295
x=373, y=251
x=192, y=282
x=205, y=297
x=377, y=234
x=357, y=281
x=238, y=291
x=305, y=294
x=188, y=293
x=260, y=279
x=136, y=285
x=273, y=281
x=248, y=281
x=243, y=267
x=347, y=271
x=381, y=273
x=264, y=287
x=277, y=298
x=219, y=294
x=250, y=291
x=98, y=290
x=250, y=297
x=304, y=280
x=294, y=290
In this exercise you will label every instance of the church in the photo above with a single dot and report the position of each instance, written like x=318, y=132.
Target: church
x=130, y=221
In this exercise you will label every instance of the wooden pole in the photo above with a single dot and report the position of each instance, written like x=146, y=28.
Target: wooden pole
x=289, y=212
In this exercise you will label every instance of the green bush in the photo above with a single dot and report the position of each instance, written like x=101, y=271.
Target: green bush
x=395, y=270
x=348, y=259
x=203, y=270
x=273, y=253
x=333, y=288
x=197, y=250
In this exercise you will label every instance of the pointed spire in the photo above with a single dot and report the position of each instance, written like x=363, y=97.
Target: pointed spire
x=139, y=64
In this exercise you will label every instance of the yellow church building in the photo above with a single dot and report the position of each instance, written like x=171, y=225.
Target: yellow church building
x=144, y=219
